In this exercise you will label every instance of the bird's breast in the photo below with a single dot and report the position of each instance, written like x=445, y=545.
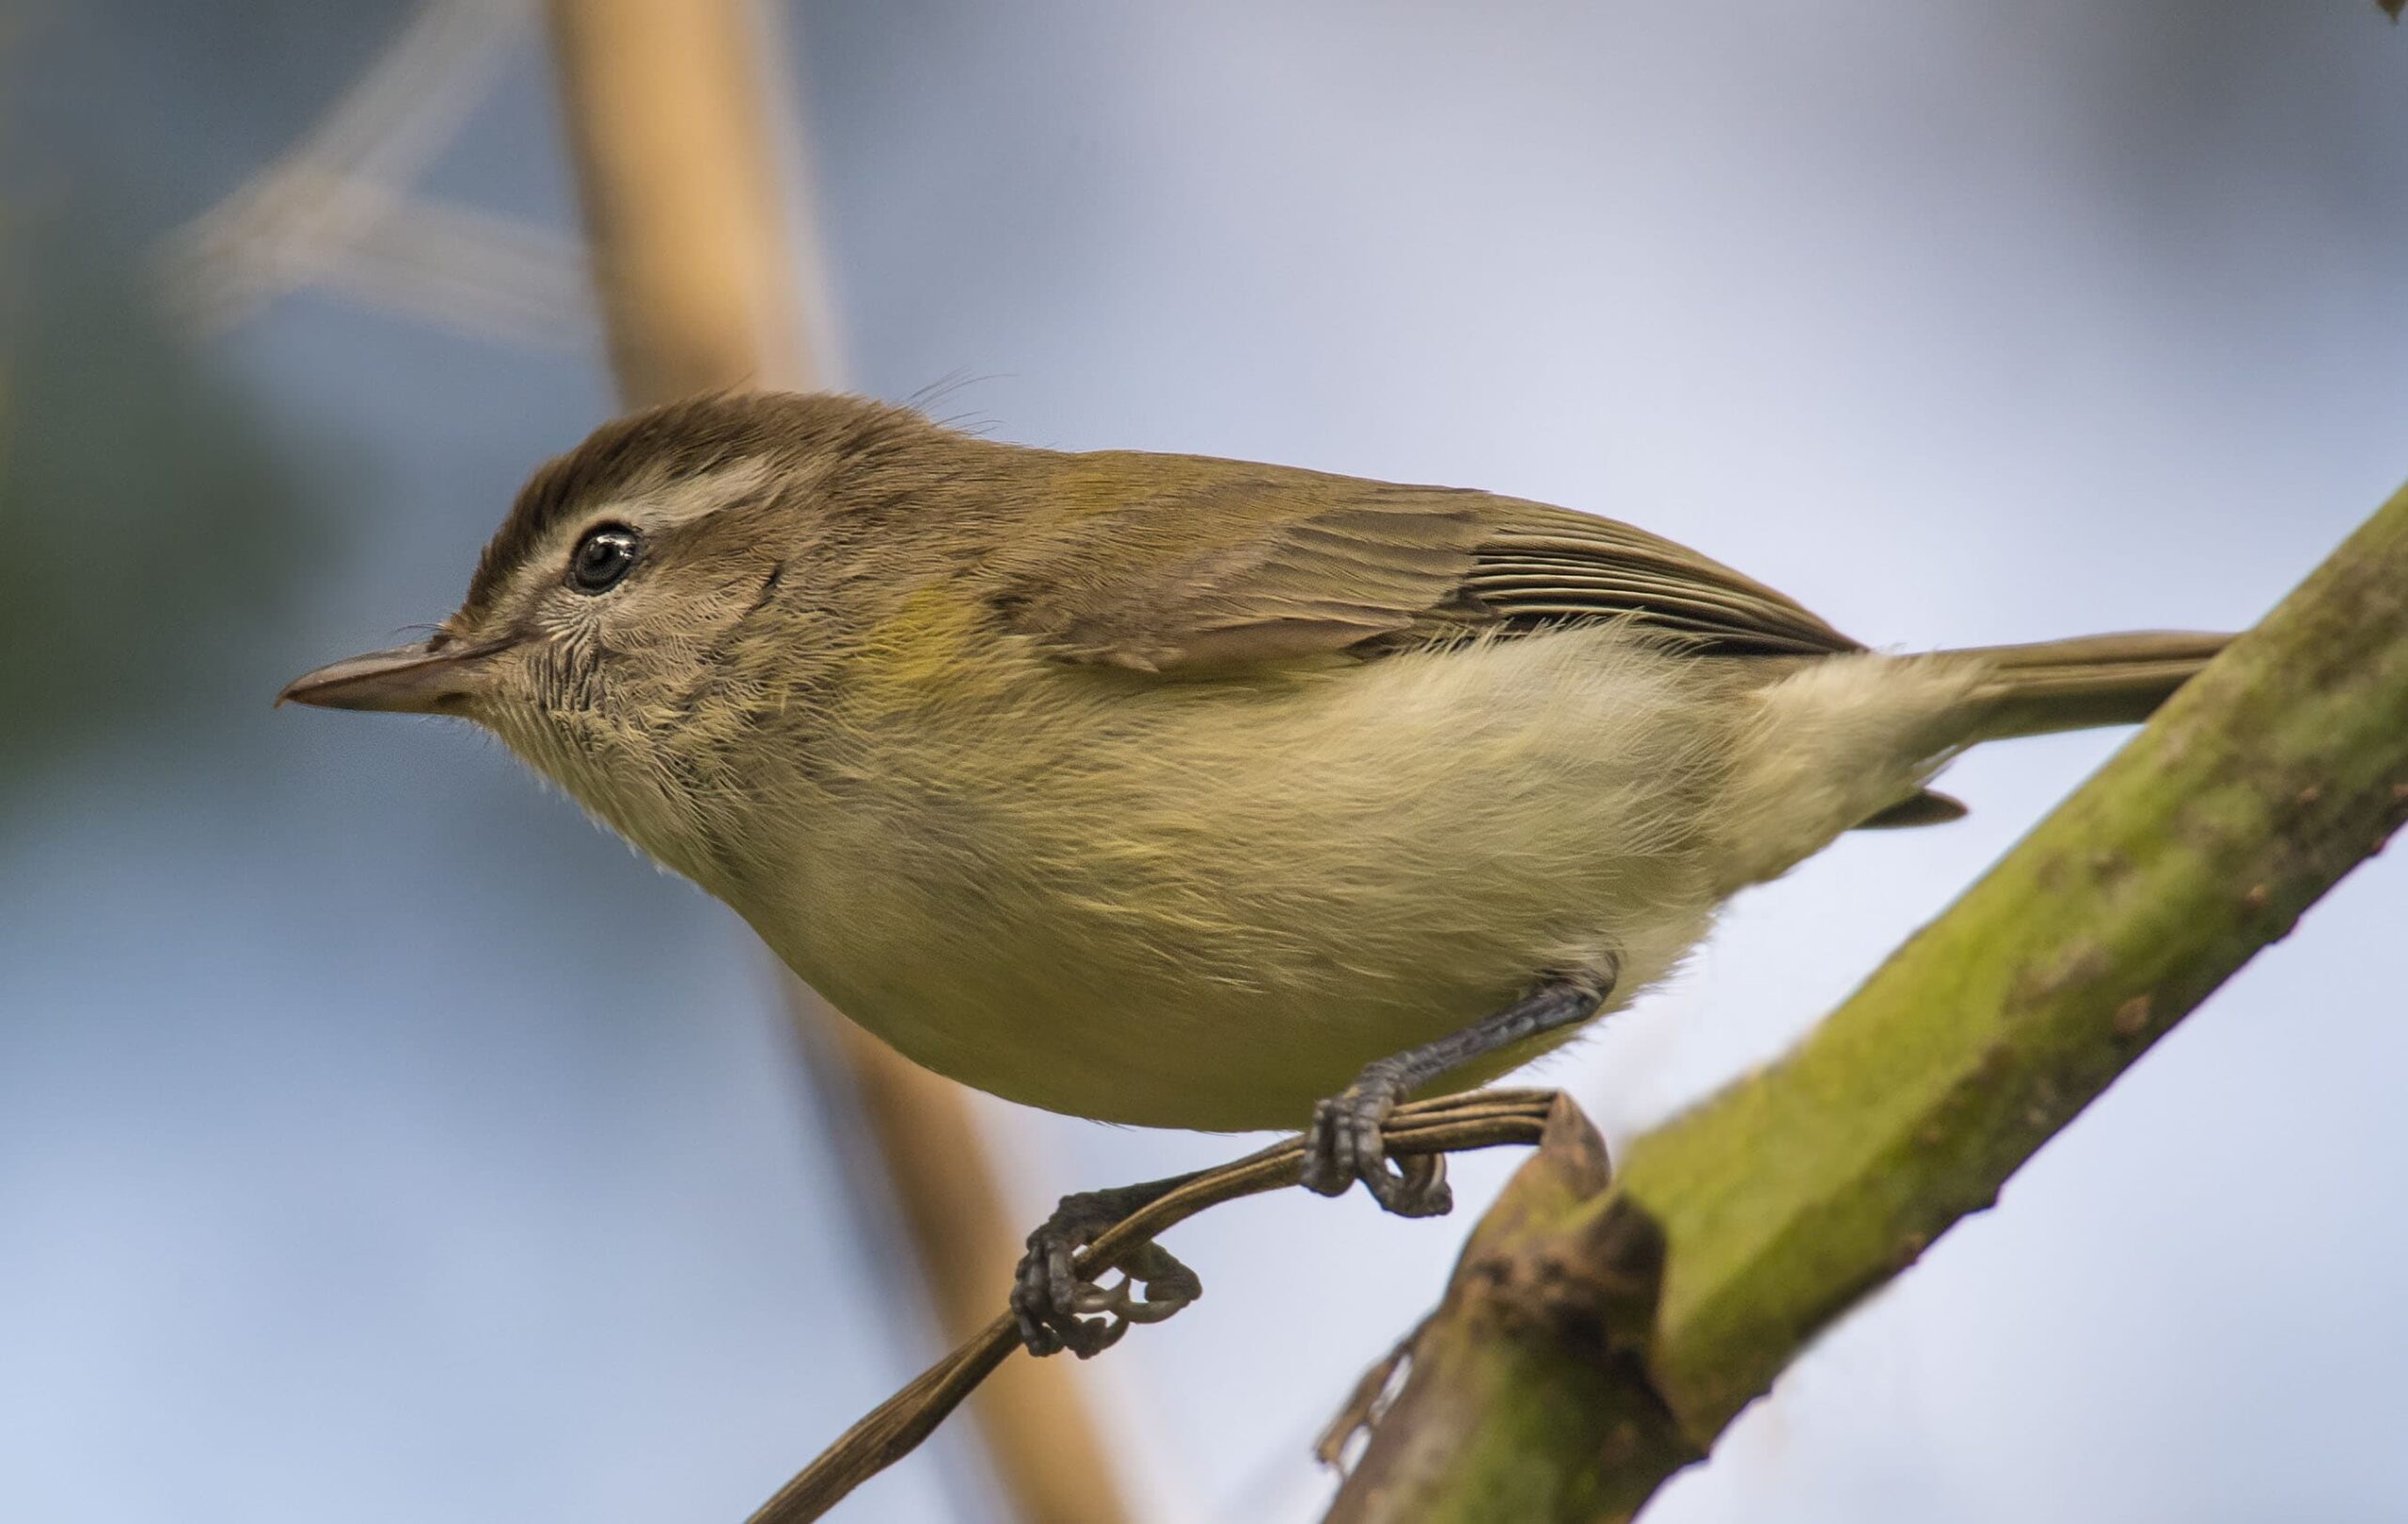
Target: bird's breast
x=1206, y=905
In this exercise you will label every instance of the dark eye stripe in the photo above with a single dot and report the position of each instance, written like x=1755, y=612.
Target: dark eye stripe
x=603, y=559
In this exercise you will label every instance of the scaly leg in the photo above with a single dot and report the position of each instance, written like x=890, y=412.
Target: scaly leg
x=1058, y=1310
x=1345, y=1145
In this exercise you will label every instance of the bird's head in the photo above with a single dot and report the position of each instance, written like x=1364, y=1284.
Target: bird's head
x=652, y=594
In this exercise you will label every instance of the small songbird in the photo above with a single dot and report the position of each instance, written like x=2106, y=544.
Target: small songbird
x=1180, y=792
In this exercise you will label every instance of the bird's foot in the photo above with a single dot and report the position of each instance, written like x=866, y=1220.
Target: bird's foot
x=1347, y=1143
x=1058, y=1310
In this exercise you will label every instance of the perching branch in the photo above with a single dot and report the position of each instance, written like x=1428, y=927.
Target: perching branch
x=1484, y=1118
x=1597, y=1339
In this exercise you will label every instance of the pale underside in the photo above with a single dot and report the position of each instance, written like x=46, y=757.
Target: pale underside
x=1206, y=905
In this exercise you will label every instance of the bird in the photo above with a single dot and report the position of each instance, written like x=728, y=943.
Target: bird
x=1178, y=791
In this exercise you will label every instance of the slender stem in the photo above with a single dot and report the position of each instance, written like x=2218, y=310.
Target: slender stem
x=1484, y=1118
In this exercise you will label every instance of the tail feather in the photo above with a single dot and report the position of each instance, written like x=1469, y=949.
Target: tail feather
x=2091, y=680
x=2064, y=685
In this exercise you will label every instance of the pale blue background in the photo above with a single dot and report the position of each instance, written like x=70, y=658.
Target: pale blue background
x=380, y=1142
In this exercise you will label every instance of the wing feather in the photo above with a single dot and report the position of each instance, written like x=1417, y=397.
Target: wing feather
x=1166, y=563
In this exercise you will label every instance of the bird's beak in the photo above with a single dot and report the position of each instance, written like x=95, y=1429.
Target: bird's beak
x=407, y=680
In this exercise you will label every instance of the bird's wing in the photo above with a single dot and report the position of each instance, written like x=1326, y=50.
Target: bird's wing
x=1540, y=564
x=1170, y=564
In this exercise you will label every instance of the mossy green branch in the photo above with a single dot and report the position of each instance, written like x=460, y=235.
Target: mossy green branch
x=1784, y=1199
x=1530, y=1398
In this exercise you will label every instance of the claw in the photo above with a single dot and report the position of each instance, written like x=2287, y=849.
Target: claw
x=1346, y=1144
x=1416, y=1188
x=1056, y=1310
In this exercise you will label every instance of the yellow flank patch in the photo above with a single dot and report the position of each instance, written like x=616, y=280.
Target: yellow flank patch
x=927, y=645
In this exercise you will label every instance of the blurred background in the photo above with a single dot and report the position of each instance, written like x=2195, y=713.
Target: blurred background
x=379, y=1141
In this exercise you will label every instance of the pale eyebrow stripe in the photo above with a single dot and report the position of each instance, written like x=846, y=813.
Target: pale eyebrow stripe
x=672, y=504
x=653, y=505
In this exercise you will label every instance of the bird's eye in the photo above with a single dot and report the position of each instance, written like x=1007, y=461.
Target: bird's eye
x=602, y=560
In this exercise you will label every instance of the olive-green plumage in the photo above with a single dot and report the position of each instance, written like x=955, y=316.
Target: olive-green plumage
x=1172, y=791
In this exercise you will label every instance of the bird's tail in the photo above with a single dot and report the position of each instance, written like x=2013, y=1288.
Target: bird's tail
x=2091, y=680
x=2063, y=685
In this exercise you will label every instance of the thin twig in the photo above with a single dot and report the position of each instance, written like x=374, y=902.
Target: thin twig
x=1481, y=1120
x=1364, y=1406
